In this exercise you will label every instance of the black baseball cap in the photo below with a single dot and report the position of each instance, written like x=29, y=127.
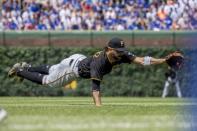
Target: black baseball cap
x=117, y=44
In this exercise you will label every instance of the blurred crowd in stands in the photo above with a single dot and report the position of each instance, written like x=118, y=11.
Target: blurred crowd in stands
x=99, y=15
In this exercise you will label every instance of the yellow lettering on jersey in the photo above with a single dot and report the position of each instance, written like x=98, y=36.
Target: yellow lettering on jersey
x=122, y=43
x=97, y=54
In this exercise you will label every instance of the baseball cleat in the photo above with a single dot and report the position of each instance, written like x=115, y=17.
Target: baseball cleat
x=25, y=65
x=12, y=72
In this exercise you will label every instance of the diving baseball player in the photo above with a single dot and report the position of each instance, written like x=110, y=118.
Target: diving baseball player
x=78, y=65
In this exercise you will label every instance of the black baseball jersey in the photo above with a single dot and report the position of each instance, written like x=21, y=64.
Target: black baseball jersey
x=97, y=66
x=170, y=73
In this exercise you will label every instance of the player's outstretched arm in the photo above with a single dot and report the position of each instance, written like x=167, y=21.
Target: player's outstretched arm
x=149, y=60
x=175, y=60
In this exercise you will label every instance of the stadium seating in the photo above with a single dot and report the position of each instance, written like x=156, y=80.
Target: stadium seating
x=99, y=15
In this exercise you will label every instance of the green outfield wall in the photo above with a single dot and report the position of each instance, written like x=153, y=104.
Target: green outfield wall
x=124, y=80
x=97, y=38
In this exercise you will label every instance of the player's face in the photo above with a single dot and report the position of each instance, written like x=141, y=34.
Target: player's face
x=116, y=55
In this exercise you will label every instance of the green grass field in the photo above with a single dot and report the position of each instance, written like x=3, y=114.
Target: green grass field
x=78, y=113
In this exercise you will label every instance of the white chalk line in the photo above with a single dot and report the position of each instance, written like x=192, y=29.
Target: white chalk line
x=78, y=118
x=137, y=122
x=102, y=125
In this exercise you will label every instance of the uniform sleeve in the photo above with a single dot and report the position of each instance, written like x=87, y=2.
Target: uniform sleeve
x=95, y=85
x=128, y=57
x=95, y=72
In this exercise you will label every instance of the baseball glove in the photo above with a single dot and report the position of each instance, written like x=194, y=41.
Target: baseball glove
x=175, y=60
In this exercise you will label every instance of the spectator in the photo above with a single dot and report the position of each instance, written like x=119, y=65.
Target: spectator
x=99, y=14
